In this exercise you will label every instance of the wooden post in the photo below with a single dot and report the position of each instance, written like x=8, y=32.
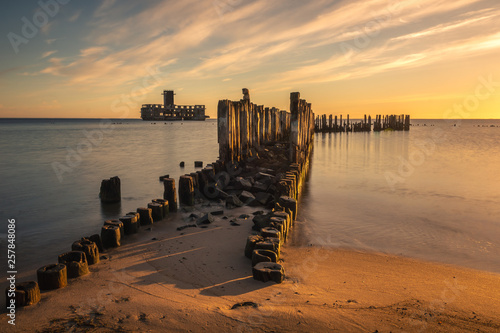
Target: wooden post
x=110, y=190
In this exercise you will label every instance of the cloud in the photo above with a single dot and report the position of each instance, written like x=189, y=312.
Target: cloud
x=75, y=16
x=48, y=53
x=50, y=41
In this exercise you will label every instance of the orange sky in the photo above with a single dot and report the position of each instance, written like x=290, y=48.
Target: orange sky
x=427, y=58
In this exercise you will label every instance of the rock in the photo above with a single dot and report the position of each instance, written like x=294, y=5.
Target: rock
x=250, y=245
x=217, y=212
x=233, y=201
x=242, y=183
x=206, y=219
x=244, y=304
x=268, y=271
x=246, y=197
x=76, y=263
x=259, y=187
x=263, y=198
x=52, y=276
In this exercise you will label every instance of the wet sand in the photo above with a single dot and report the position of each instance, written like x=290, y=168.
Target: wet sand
x=193, y=280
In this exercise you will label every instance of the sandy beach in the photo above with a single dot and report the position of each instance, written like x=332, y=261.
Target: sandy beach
x=198, y=279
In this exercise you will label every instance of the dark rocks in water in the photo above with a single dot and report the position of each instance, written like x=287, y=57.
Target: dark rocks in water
x=198, y=164
x=181, y=164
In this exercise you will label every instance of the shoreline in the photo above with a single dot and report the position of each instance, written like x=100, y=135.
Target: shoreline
x=190, y=280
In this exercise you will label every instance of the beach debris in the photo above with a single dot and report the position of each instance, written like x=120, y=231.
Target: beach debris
x=75, y=262
x=53, y=276
x=206, y=219
x=233, y=201
x=110, y=235
x=187, y=226
x=217, y=212
x=234, y=223
x=89, y=248
x=198, y=164
x=245, y=304
x=268, y=271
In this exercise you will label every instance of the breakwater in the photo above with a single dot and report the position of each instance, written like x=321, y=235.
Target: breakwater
x=331, y=124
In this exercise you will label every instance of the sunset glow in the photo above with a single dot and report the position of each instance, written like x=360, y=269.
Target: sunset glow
x=104, y=59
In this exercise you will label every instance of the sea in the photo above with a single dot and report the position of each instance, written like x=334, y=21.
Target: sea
x=431, y=193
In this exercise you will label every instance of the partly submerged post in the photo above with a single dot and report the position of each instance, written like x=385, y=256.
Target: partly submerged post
x=110, y=190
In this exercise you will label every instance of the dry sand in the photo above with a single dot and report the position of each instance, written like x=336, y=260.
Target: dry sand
x=165, y=280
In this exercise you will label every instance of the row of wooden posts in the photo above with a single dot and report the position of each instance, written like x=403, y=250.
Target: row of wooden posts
x=332, y=124
x=243, y=125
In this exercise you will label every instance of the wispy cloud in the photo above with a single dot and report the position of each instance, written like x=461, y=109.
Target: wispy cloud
x=48, y=53
x=75, y=16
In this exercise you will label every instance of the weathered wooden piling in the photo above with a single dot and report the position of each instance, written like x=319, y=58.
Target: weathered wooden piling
x=170, y=193
x=25, y=293
x=76, y=263
x=146, y=217
x=52, y=276
x=186, y=191
x=89, y=248
x=110, y=190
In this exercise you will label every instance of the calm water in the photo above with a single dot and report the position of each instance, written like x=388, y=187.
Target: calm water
x=52, y=212
x=431, y=193
x=443, y=205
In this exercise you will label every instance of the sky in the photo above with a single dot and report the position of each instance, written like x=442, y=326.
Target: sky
x=104, y=59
